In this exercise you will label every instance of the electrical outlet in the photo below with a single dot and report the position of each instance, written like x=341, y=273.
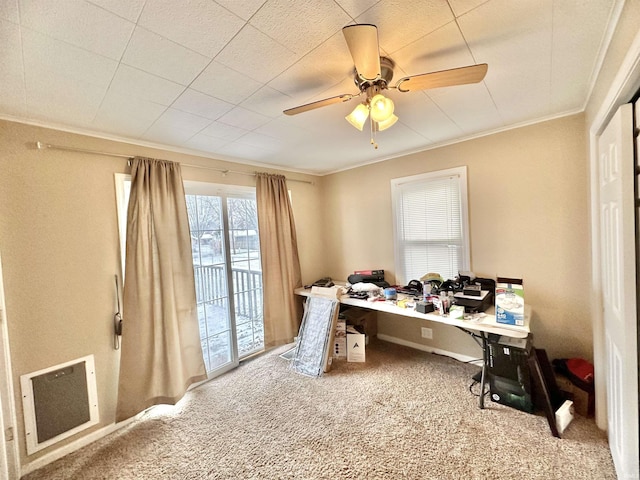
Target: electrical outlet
x=427, y=332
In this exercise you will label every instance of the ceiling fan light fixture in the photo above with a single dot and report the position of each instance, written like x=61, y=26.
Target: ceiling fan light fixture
x=381, y=108
x=389, y=122
x=358, y=116
x=373, y=74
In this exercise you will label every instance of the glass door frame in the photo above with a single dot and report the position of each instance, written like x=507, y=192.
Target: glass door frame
x=224, y=192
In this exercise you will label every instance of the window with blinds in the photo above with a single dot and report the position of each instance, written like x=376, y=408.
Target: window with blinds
x=431, y=224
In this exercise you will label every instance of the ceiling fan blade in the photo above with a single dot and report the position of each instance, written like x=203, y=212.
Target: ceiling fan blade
x=320, y=103
x=444, y=78
x=362, y=41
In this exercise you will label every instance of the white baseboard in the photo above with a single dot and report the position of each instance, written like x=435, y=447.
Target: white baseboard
x=72, y=447
x=427, y=348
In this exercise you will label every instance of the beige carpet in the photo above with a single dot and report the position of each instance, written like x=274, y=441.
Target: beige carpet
x=403, y=414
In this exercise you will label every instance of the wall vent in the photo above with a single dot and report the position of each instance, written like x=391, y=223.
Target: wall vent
x=58, y=402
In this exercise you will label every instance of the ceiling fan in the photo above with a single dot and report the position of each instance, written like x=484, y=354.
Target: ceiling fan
x=373, y=75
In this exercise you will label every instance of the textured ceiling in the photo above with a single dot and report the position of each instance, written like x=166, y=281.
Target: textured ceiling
x=212, y=78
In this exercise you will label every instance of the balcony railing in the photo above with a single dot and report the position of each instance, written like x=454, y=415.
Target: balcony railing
x=212, y=291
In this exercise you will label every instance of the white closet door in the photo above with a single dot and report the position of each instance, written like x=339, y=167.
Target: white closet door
x=616, y=168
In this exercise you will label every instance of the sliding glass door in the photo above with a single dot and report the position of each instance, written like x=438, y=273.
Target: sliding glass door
x=225, y=245
x=246, y=273
x=228, y=276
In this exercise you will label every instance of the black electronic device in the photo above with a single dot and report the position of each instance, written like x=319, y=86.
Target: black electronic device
x=321, y=282
x=486, y=284
x=424, y=307
x=358, y=295
x=473, y=304
x=472, y=290
x=509, y=374
x=476, y=302
x=450, y=286
x=414, y=287
x=377, y=279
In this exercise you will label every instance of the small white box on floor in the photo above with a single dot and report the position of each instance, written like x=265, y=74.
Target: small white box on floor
x=355, y=345
x=564, y=415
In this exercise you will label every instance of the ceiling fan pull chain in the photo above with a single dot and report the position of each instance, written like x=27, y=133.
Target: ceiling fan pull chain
x=373, y=134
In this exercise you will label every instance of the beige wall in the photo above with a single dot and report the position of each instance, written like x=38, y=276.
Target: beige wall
x=528, y=214
x=60, y=250
x=528, y=204
x=625, y=33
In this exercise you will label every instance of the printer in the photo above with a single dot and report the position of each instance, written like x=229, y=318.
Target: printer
x=477, y=296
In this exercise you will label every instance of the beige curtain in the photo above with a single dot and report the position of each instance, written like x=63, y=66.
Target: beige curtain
x=161, y=353
x=280, y=262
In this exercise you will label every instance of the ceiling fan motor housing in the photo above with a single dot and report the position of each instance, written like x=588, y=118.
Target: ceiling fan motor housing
x=386, y=74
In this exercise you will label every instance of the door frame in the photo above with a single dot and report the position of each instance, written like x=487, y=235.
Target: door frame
x=225, y=191
x=625, y=83
x=9, y=456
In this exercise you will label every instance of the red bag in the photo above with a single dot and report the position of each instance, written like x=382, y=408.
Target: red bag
x=581, y=369
x=578, y=370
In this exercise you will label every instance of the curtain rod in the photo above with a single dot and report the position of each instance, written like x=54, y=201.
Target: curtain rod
x=43, y=146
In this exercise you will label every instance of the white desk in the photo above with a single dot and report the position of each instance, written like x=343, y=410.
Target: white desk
x=485, y=324
x=479, y=328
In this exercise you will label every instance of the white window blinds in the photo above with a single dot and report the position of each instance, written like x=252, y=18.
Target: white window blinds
x=431, y=224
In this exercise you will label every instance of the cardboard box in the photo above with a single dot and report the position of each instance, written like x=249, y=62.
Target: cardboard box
x=509, y=301
x=360, y=317
x=583, y=401
x=356, y=343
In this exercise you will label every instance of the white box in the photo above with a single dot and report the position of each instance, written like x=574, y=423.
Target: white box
x=356, y=347
x=456, y=312
x=564, y=415
x=509, y=302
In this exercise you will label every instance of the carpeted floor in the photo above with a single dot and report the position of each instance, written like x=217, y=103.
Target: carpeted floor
x=404, y=414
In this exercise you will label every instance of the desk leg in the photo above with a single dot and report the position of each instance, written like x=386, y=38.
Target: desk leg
x=484, y=345
x=485, y=360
